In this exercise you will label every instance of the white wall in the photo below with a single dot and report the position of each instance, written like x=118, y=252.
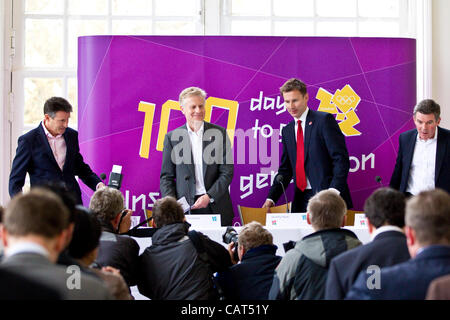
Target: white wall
x=441, y=58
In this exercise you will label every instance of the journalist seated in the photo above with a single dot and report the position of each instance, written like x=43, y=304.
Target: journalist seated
x=115, y=250
x=252, y=277
x=302, y=273
x=179, y=265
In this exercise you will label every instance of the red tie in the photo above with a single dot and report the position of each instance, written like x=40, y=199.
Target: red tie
x=300, y=165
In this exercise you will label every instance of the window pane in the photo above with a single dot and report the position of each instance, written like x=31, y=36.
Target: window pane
x=88, y=7
x=339, y=29
x=293, y=8
x=39, y=51
x=293, y=28
x=250, y=28
x=79, y=28
x=72, y=94
x=37, y=91
x=132, y=27
x=132, y=7
x=250, y=8
x=379, y=8
x=333, y=8
x=175, y=27
x=379, y=29
x=44, y=6
x=177, y=8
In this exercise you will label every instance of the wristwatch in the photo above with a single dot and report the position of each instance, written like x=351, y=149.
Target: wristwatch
x=211, y=200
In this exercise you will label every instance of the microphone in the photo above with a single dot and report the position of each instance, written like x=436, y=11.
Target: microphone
x=115, y=178
x=279, y=179
x=378, y=180
x=103, y=177
x=186, y=178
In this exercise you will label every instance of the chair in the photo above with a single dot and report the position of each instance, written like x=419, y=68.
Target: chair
x=148, y=214
x=249, y=214
x=350, y=220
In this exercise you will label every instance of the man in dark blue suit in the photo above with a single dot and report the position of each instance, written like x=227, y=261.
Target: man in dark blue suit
x=427, y=229
x=51, y=153
x=385, y=211
x=318, y=160
x=423, y=161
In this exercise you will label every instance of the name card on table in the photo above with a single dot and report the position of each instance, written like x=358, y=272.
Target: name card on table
x=360, y=220
x=204, y=220
x=286, y=220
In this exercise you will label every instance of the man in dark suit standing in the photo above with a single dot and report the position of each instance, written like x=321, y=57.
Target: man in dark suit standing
x=314, y=151
x=385, y=211
x=423, y=160
x=51, y=153
x=197, y=161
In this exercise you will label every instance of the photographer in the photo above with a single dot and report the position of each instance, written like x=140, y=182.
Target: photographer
x=179, y=264
x=252, y=277
x=118, y=251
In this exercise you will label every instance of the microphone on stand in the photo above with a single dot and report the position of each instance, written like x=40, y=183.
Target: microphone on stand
x=378, y=180
x=103, y=177
x=279, y=179
x=186, y=178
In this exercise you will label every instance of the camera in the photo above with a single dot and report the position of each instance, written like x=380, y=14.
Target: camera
x=230, y=235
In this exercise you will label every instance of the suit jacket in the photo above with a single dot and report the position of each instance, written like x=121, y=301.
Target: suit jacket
x=386, y=249
x=217, y=168
x=34, y=155
x=405, y=281
x=40, y=269
x=326, y=157
x=407, y=143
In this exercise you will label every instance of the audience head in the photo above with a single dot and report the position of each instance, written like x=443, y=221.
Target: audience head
x=326, y=210
x=385, y=206
x=1, y=214
x=37, y=214
x=107, y=204
x=167, y=211
x=427, y=219
x=253, y=235
x=86, y=236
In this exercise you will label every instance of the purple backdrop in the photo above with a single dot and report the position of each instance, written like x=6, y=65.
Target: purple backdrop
x=116, y=73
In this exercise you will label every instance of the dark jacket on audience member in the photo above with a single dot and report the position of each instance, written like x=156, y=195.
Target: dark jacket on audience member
x=252, y=277
x=302, y=273
x=386, y=249
x=120, y=252
x=171, y=269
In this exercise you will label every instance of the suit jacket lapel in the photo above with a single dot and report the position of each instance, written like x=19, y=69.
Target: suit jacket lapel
x=204, y=145
x=440, y=152
x=290, y=140
x=410, y=152
x=46, y=145
x=308, y=128
x=69, y=149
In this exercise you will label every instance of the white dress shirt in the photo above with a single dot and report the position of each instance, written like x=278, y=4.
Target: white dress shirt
x=384, y=229
x=196, y=139
x=58, y=146
x=423, y=165
x=28, y=247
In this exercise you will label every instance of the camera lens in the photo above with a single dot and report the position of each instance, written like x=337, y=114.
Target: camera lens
x=230, y=235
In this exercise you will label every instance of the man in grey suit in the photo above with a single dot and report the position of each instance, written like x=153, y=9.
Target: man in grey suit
x=33, y=234
x=197, y=161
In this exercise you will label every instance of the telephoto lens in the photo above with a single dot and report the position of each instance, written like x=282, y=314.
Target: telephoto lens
x=230, y=235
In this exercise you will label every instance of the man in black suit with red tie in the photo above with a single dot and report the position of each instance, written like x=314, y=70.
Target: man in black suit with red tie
x=314, y=151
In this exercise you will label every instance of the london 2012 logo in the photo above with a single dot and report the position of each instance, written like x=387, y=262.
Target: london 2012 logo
x=343, y=104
